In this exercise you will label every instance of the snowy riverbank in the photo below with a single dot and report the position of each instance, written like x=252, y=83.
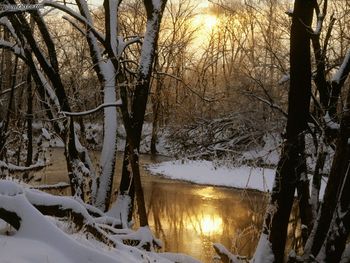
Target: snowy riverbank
x=208, y=173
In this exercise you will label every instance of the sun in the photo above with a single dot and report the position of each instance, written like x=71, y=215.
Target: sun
x=205, y=22
x=210, y=21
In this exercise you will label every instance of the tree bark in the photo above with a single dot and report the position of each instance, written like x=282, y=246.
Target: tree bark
x=292, y=163
x=29, y=118
x=139, y=102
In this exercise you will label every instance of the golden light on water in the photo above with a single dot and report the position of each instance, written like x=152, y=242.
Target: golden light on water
x=206, y=224
x=211, y=225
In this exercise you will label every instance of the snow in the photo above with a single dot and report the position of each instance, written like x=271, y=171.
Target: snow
x=346, y=254
x=4, y=21
x=284, y=79
x=148, y=45
x=120, y=209
x=222, y=250
x=107, y=161
x=9, y=188
x=16, y=49
x=104, y=105
x=50, y=91
x=41, y=239
x=157, y=4
x=208, y=173
x=319, y=24
x=263, y=251
x=9, y=249
x=51, y=186
x=178, y=257
x=269, y=153
x=330, y=123
x=205, y=172
x=144, y=234
x=37, y=230
x=46, y=134
x=15, y=168
x=339, y=74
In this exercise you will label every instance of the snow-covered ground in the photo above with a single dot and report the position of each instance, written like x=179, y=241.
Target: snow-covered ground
x=208, y=173
x=35, y=238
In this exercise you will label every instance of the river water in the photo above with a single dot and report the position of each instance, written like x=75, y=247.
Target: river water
x=189, y=218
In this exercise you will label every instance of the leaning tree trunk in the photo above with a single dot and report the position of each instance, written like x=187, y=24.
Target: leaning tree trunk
x=292, y=163
x=50, y=68
x=138, y=108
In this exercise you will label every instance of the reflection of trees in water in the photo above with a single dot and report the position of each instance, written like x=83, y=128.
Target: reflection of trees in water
x=177, y=211
x=245, y=238
x=189, y=222
x=294, y=240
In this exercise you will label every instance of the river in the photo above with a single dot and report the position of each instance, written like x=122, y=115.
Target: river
x=189, y=218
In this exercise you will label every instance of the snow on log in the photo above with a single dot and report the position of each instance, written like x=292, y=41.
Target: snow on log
x=35, y=227
x=225, y=255
x=143, y=238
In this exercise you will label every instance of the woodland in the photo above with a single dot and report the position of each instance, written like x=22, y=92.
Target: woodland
x=192, y=80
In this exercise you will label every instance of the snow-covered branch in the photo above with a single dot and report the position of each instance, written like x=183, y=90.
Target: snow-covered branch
x=58, y=186
x=269, y=103
x=83, y=113
x=9, y=90
x=343, y=71
x=123, y=44
x=225, y=255
x=16, y=9
x=15, y=168
x=80, y=18
x=320, y=17
x=13, y=47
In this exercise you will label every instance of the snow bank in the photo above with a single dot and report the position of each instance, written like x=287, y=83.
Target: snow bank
x=40, y=239
x=207, y=173
x=35, y=229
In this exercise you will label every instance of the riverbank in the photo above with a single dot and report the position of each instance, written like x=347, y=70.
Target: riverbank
x=209, y=173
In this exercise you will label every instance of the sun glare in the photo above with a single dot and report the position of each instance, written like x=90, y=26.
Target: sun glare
x=206, y=22
x=211, y=225
x=210, y=21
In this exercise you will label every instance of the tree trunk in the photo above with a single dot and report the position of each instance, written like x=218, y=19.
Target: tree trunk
x=292, y=163
x=139, y=103
x=337, y=85
x=155, y=110
x=317, y=178
x=335, y=201
x=29, y=120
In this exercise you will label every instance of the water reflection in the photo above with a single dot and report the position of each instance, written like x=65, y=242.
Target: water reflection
x=188, y=218
x=210, y=224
